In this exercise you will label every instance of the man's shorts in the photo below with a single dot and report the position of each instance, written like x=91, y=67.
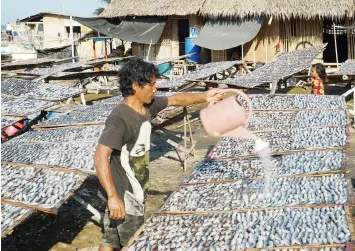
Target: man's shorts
x=117, y=233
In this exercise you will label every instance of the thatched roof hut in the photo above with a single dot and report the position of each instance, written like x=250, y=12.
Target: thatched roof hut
x=282, y=9
x=122, y=8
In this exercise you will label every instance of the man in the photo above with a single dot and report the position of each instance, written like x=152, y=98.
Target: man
x=126, y=142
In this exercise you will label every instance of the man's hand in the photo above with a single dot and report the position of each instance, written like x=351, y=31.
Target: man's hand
x=116, y=207
x=214, y=95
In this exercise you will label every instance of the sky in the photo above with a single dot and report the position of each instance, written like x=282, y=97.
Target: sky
x=13, y=9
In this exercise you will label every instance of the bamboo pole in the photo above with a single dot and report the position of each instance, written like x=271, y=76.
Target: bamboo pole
x=303, y=175
x=207, y=212
x=336, y=46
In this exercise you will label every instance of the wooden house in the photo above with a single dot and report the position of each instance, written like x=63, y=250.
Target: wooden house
x=288, y=25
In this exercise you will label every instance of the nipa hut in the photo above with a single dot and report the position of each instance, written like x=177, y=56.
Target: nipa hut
x=287, y=26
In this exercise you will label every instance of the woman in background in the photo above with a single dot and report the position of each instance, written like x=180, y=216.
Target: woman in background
x=319, y=77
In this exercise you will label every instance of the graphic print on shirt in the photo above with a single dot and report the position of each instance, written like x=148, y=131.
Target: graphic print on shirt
x=135, y=161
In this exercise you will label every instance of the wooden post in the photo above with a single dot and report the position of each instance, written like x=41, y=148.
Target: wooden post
x=72, y=38
x=336, y=46
x=273, y=87
x=94, y=47
x=105, y=48
x=186, y=155
x=82, y=97
x=150, y=45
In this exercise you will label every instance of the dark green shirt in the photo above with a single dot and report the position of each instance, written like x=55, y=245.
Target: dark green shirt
x=127, y=133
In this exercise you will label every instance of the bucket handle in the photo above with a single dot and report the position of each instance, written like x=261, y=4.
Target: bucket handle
x=250, y=106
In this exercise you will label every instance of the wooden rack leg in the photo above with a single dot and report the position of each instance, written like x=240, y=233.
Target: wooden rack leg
x=273, y=87
x=190, y=131
x=69, y=100
x=82, y=97
x=185, y=142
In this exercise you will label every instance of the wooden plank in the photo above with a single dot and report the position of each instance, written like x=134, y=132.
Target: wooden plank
x=309, y=175
x=57, y=169
x=243, y=210
x=19, y=204
x=350, y=222
x=70, y=125
x=54, y=209
x=54, y=167
x=288, y=128
x=282, y=153
x=18, y=222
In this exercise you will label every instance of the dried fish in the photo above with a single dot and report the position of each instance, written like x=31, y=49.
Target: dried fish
x=70, y=134
x=56, y=68
x=10, y=214
x=287, y=64
x=34, y=90
x=248, y=194
x=99, y=108
x=348, y=67
x=238, y=231
x=284, y=140
x=6, y=121
x=73, y=155
x=298, y=101
x=304, y=118
x=23, y=106
x=71, y=119
x=289, y=164
x=202, y=72
x=37, y=186
x=114, y=100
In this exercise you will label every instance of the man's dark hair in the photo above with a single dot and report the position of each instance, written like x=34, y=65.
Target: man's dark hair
x=136, y=70
x=320, y=69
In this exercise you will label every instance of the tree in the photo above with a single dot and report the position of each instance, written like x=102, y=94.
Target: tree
x=99, y=10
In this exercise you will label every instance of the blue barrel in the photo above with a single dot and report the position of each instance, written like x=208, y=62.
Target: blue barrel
x=164, y=69
x=190, y=47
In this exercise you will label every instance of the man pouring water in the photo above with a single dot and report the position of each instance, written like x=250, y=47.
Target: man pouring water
x=122, y=155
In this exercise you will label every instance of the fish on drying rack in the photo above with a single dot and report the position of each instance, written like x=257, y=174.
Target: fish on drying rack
x=285, y=65
x=23, y=107
x=40, y=187
x=7, y=121
x=202, y=72
x=284, y=141
x=252, y=229
x=70, y=155
x=259, y=193
x=295, y=101
x=288, y=164
x=75, y=119
x=274, y=120
x=11, y=216
x=57, y=135
x=34, y=90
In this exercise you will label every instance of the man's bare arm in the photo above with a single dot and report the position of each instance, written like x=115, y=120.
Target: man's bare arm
x=186, y=99
x=102, y=165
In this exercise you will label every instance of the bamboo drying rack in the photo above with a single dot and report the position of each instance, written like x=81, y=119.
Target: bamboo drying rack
x=253, y=155
x=207, y=212
x=309, y=175
x=18, y=222
x=54, y=208
x=69, y=124
x=51, y=167
x=52, y=128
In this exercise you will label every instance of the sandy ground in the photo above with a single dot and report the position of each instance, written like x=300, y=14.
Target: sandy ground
x=73, y=227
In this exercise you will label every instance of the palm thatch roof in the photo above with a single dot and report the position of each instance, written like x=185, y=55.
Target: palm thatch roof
x=279, y=8
x=215, y=8
x=122, y=8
